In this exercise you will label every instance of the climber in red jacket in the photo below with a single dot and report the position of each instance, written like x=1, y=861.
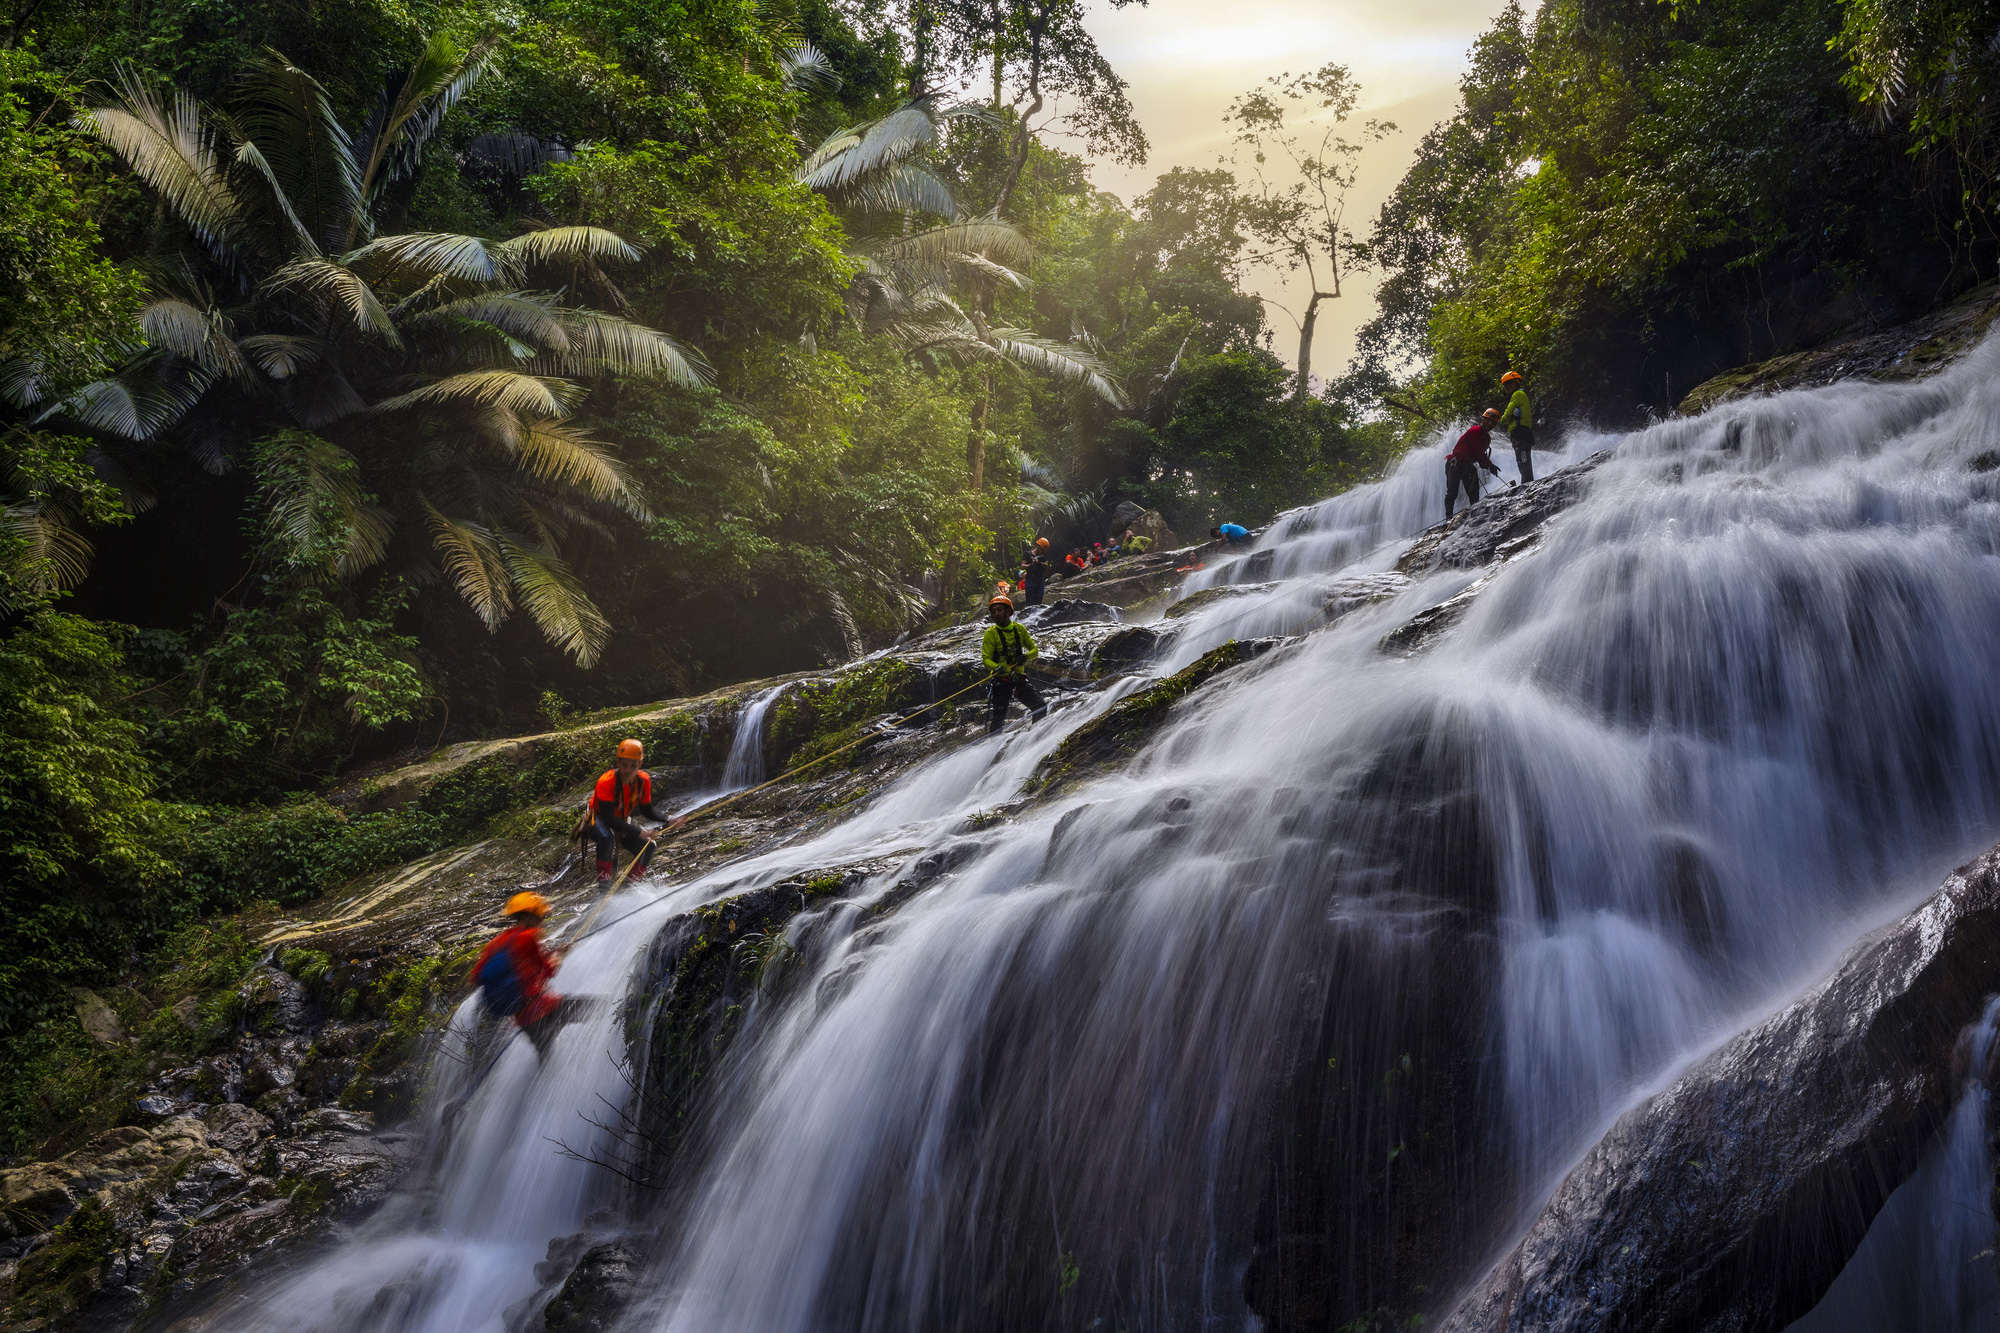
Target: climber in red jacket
x=1473, y=451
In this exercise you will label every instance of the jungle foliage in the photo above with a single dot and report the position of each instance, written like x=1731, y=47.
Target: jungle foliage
x=1635, y=195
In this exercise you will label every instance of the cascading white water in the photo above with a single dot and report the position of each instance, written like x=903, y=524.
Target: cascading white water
x=1928, y=1260
x=745, y=766
x=1362, y=945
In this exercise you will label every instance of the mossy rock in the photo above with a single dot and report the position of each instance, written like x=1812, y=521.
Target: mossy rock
x=1110, y=740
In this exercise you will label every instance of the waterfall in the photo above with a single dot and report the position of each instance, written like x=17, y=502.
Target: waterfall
x=745, y=767
x=1928, y=1259
x=1306, y=1004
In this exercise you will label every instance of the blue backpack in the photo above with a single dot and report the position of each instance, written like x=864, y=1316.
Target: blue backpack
x=500, y=983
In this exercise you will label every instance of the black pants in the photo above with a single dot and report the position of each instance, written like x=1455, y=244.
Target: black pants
x=1004, y=691
x=1035, y=594
x=1523, y=438
x=612, y=833
x=1460, y=474
x=568, y=1009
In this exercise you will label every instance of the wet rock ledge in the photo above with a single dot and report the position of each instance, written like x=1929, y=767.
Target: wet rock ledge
x=1730, y=1201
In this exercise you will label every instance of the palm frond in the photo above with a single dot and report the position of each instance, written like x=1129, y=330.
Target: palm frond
x=247, y=154
x=980, y=266
x=901, y=187
x=286, y=117
x=556, y=452
x=472, y=561
x=847, y=156
x=170, y=146
x=131, y=404
x=406, y=120
x=554, y=597
x=529, y=316
x=605, y=344
x=926, y=258
x=51, y=553
x=23, y=380
x=197, y=335
x=516, y=153
x=427, y=254
x=282, y=355
x=315, y=510
x=1064, y=362
x=340, y=287
x=529, y=397
x=566, y=245
x=807, y=69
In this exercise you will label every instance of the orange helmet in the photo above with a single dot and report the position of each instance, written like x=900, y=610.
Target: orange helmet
x=527, y=902
x=1490, y=414
x=630, y=749
x=1041, y=543
x=1001, y=599
x=1511, y=377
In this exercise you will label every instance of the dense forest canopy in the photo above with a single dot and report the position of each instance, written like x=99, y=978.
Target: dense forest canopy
x=374, y=375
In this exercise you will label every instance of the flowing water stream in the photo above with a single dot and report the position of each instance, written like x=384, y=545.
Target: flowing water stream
x=1332, y=982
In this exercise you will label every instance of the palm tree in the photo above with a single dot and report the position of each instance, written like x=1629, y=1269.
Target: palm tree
x=407, y=392
x=912, y=279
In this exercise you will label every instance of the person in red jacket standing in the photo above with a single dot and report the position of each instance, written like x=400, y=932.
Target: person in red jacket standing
x=1473, y=451
x=623, y=789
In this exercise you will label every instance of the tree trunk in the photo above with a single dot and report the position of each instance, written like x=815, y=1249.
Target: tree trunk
x=975, y=450
x=1304, y=386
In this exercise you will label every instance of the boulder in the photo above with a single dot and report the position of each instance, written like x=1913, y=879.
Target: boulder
x=98, y=1020
x=597, y=1291
x=1731, y=1200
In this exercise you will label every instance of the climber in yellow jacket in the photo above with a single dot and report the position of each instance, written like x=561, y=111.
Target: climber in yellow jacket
x=1519, y=419
x=1007, y=649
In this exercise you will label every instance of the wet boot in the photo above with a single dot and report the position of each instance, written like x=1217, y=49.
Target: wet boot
x=605, y=871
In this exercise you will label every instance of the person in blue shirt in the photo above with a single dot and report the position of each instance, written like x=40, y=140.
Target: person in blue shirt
x=1233, y=533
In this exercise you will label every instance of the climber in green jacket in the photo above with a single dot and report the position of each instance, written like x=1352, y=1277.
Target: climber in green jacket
x=1007, y=649
x=1519, y=419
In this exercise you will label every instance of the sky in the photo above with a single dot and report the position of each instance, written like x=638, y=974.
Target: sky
x=1185, y=60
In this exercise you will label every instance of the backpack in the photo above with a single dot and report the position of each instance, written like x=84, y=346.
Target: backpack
x=500, y=983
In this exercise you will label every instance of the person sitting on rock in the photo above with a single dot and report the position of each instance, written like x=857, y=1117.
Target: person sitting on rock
x=1473, y=451
x=514, y=971
x=624, y=788
x=1233, y=533
x=1007, y=649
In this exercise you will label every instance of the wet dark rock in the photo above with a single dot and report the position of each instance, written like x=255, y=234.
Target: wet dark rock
x=1475, y=536
x=1732, y=1200
x=597, y=1290
x=1908, y=351
x=1196, y=601
x=1069, y=611
x=1343, y=597
x=704, y=967
x=1118, y=733
x=1427, y=626
x=1131, y=648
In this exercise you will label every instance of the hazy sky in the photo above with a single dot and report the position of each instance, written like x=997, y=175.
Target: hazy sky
x=1186, y=59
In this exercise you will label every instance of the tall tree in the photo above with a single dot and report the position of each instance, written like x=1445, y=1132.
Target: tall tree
x=1300, y=217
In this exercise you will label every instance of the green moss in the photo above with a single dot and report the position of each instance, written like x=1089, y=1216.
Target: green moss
x=57, y=1278
x=307, y=965
x=817, y=717
x=1119, y=733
